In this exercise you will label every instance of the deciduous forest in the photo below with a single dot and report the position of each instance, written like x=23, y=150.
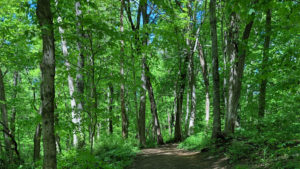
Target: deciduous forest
x=154, y=84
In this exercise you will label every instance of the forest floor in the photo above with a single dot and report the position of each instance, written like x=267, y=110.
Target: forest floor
x=170, y=157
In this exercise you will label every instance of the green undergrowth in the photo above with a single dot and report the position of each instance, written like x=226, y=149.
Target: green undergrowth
x=198, y=141
x=111, y=152
x=273, y=142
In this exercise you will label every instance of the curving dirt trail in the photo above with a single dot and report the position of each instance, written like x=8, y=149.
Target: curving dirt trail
x=169, y=157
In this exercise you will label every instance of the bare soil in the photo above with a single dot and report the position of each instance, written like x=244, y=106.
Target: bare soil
x=170, y=157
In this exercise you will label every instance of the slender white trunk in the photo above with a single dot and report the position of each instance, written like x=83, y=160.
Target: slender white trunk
x=75, y=118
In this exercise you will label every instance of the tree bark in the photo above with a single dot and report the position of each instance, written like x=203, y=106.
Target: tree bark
x=263, y=84
x=75, y=118
x=122, y=92
x=157, y=130
x=192, y=95
x=4, y=123
x=79, y=79
x=187, y=114
x=14, y=111
x=111, y=102
x=216, y=79
x=37, y=143
x=183, y=73
x=142, y=111
x=47, y=65
x=205, y=76
x=237, y=53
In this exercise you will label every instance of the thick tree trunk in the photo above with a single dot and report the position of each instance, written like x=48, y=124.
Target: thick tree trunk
x=122, y=92
x=45, y=19
x=216, y=80
x=263, y=84
x=205, y=76
x=157, y=130
x=233, y=35
x=4, y=122
x=237, y=53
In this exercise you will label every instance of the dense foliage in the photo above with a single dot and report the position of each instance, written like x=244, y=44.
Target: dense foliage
x=220, y=76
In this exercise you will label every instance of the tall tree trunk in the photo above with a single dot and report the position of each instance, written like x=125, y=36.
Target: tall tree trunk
x=232, y=40
x=14, y=111
x=135, y=91
x=123, y=108
x=93, y=96
x=111, y=102
x=237, y=53
x=263, y=84
x=181, y=87
x=37, y=143
x=193, y=95
x=47, y=65
x=4, y=122
x=142, y=111
x=225, y=61
x=216, y=80
x=157, y=130
x=205, y=76
x=79, y=78
x=187, y=115
x=38, y=131
x=75, y=118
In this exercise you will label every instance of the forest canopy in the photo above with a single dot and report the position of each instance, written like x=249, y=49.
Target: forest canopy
x=91, y=83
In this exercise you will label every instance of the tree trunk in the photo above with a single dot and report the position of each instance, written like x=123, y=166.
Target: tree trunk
x=157, y=130
x=237, y=53
x=38, y=132
x=187, y=115
x=142, y=111
x=4, y=122
x=14, y=111
x=47, y=65
x=216, y=80
x=79, y=79
x=183, y=73
x=111, y=102
x=93, y=96
x=37, y=143
x=75, y=118
x=205, y=76
x=123, y=108
x=263, y=84
x=193, y=95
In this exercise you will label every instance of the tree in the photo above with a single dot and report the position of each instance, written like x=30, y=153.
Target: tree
x=123, y=109
x=215, y=63
x=237, y=54
x=4, y=121
x=263, y=84
x=45, y=19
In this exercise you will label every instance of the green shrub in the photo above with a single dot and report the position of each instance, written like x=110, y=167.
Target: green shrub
x=111, y=152
x=195, y=142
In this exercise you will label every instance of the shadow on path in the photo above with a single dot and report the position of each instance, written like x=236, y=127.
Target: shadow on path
x=169, y=157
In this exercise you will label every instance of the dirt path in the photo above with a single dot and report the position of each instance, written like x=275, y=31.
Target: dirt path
x=169, y=157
